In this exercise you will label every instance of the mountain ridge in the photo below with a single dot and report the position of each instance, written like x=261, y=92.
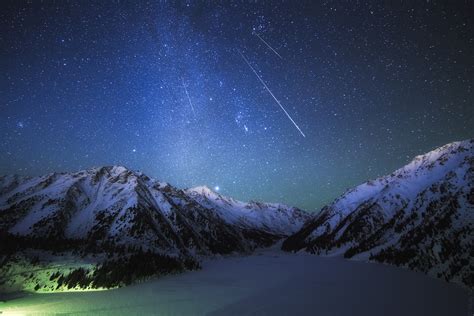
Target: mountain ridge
x=421, y=216
x=114, y=210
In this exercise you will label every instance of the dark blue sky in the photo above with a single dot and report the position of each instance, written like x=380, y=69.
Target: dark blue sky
x=100, y=83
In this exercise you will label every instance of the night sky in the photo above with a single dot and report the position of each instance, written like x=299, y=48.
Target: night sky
x=164, y=88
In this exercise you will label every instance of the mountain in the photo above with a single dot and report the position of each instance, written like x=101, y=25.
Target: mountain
x=421, y=216
x=119, y=215
x=272, y=218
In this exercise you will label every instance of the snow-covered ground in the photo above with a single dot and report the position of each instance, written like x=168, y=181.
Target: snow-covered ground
x=268, y=283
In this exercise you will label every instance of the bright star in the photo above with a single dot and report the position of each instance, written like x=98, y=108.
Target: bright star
x=216, y=188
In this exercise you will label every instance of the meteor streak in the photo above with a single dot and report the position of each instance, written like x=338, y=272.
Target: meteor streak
x=189, y=98
x=271, y=93
x=268, y=45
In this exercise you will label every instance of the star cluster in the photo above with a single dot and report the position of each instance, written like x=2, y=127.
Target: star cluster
x=161, y=87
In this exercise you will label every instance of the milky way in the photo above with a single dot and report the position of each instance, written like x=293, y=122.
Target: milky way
x=160, y=87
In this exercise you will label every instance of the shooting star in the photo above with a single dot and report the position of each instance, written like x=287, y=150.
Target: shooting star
x=268, y=45
x=189, y=98
x=271, y=93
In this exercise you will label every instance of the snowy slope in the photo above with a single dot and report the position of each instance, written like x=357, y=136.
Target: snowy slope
x=272, y=218
x=119, y=206
x=421, y=216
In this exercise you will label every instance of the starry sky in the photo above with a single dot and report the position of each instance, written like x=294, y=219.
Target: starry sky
x=187, y=91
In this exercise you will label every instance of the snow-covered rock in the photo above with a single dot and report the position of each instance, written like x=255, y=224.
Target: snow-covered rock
x=421, y=216
x=273, y=218
x=115, y=205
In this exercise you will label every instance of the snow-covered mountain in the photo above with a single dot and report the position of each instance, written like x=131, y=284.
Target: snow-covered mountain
x=122, y=218
x=421, y=216
x=273, y=218
x=114, y=204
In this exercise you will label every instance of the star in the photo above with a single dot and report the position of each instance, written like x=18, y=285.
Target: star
x=169, y=80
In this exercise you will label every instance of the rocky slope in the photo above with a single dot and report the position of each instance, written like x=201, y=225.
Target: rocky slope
x=118, y=214
x=421, y=216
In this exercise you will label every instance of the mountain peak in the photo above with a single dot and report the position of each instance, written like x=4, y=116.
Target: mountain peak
x=109, y=169
x=418, y=216
x=202, y=189
x=448, y=149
